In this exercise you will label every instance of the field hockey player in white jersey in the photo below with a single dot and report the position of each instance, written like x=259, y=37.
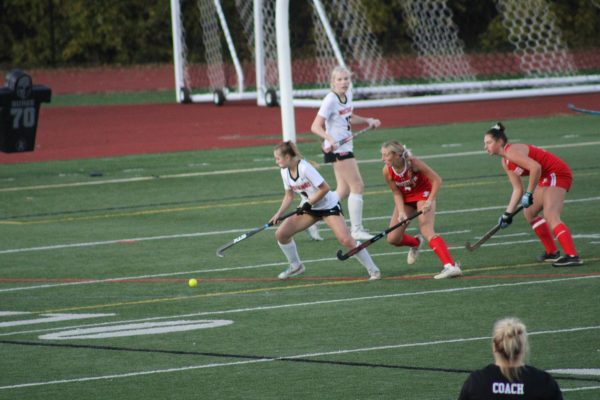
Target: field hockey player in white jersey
x=317, y=202
x=333, y=124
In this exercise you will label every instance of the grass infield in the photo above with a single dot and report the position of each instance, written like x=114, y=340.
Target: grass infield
x=116, y=98
x=95, y=256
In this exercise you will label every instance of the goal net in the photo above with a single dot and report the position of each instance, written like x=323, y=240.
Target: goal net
x=227, y=50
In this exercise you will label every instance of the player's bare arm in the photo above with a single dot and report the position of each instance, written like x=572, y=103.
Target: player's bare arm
x=519, y=154
x=288, y=197
x=322, y=192
x=517, y=192
x=318, y=128
x=357, y=119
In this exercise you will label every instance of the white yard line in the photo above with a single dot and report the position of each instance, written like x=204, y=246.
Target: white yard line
x=578, y=389
x=298, y=356
x=313, y=303
x=253, y=170
x=231, y=231
x=227, y=269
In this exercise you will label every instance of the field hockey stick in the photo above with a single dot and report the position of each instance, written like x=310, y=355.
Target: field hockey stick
x=349, y=138
x=490, y=233
x=582, y=110
x=221, y=250
x=375, y=238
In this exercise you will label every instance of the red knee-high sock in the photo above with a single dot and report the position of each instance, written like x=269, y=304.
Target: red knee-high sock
x=409, y=241
x=541, y=229
x=563, y=235
x=439, y=247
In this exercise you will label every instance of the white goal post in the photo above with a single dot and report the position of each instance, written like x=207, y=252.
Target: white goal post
x=546, y=67
x=212, y=66
x=229, y=50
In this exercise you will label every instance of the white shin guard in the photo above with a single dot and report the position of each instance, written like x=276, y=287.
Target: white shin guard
x=355, y=209
x=365, y=259
x=291, y=252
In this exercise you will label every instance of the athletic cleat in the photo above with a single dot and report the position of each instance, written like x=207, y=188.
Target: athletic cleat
x=449, y=271
x=291, y=271
x=568, y=261
x=548, y=257
x=374, y=275
x=361, y=234
x=313, y=232
x=413, y=253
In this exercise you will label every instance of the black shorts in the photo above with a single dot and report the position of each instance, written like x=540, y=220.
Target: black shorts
x=337, y=210
x=332, y=157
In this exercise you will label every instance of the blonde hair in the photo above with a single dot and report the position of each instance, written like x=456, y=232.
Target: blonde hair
x=337, y=70
x=396, y=147
x=289, y=148
x=509, y=339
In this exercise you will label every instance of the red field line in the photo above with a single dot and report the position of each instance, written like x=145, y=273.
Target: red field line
x=306, y=279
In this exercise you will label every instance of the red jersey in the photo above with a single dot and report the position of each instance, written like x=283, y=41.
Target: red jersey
x=555, y=172
x=414, y=186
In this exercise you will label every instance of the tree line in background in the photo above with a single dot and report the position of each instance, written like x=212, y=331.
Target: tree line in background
x=73, y=33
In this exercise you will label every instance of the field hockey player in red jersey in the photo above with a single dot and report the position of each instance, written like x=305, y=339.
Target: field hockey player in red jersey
x=549, y=181
x=317, y=202
x=415, y=187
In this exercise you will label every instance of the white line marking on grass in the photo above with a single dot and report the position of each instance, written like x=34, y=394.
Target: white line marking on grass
x=47, y=318
x=126, y=278
x=481, y=209
x=283, y=358
x=11, y=313
x=252, y=170
x=127, y=330
x=435, y=342
x=580, y=388
x=482, y=153
x=231, y=231
x=511, y=235
x=133, y=374
x=577, y=371
x=316, y=303
x=115, y=241
x=587, y=236
x=139, y=179
x=228, y=269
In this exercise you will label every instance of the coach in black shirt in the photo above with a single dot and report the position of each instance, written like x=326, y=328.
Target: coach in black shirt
x=509, y=377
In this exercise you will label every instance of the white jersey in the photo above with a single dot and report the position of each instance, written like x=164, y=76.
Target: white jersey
x=307, y=183
x=337, y=118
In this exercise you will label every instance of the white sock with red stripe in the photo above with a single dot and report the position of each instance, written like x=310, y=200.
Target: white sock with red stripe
x=541, y=229
x=563, y=235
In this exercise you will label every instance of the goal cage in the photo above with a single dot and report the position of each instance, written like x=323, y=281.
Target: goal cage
x=228, y=50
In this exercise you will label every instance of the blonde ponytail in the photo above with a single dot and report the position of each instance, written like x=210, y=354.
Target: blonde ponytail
x=510, y=343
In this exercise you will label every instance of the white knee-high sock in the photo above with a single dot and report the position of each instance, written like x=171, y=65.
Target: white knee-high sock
x=291, y=252
x=355, y=209
x=365, y=259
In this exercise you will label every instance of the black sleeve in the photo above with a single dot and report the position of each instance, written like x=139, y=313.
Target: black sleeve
x=466, y=389
x=554, y=392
